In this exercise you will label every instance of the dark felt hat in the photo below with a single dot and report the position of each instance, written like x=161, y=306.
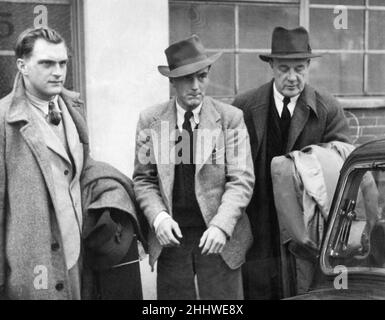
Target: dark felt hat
x=186, y=57
x=107, y=242
x=289, y=44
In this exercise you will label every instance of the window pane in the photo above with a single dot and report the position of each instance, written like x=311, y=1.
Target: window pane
x=214, y=24
x=7, y=74
x=256, y=23
x=222, y=76
x=325, y=36
x=338, y=73
x=253, y=72
x=17, y=17
x=339, y=2
x=376, y=30
x=376, y=71
x=376, y=3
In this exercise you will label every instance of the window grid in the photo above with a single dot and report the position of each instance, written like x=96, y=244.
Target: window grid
x=304, y=9
x=366, y=51
x=237, y=50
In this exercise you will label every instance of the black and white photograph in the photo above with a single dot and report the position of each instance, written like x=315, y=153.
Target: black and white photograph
x=177, y=151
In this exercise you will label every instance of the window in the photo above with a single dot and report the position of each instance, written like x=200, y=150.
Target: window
x=353, y=61
x=357, y=234
x=356, y=55
x=61, y=15
x=241, y=30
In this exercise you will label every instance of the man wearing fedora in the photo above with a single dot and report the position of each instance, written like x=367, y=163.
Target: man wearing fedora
x=193, y=179
x=283, y=115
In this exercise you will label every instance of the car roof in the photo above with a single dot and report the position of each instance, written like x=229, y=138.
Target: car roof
x=370, y=151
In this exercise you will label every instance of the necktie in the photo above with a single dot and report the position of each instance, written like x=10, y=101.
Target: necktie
x=285, y=116
x=54, y=115
x=285, y=121
x=187, y=126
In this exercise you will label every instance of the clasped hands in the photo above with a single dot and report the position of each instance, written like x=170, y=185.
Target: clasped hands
x=212, y=241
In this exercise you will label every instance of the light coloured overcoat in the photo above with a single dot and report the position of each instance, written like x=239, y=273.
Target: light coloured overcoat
x=29, y=231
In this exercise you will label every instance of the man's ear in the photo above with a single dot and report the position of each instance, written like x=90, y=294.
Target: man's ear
x=22, y=66
x=271, y=63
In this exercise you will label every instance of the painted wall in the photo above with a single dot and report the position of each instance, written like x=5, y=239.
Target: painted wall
x=124, y=44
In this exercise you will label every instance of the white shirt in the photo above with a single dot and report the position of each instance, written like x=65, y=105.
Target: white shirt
x=42, y=105
x=278, y=99
x=179, y=120
x=180, y=116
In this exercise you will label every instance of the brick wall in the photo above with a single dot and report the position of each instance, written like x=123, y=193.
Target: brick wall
x=366, y=124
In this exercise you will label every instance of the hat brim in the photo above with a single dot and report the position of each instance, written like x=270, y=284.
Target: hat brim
x=188, y=68
x=268, y=57
x=111, y=252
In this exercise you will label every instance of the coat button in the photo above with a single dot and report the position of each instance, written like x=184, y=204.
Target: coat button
x=59, y=286
x=55, y=246
x=66, y=172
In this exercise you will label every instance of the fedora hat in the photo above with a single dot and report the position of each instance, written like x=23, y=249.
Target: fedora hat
x=107, y=242
x=289, y=44
x=186, y=57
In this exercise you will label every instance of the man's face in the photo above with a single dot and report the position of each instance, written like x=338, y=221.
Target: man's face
x=290, y=75
x=191, y=89
x=45, y=70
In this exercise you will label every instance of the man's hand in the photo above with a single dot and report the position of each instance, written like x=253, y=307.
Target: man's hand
x=166, y=232
x=213, y=241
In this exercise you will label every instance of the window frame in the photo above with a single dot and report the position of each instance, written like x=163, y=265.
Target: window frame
x=352, y=101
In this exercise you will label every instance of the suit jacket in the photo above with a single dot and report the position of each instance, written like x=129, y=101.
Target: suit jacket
x=224, y=176
x=31, y=245
x=317, y=118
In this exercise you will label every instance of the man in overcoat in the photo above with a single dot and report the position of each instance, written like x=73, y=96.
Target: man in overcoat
x=193, y=179
x=44, y=151
x=283, y=115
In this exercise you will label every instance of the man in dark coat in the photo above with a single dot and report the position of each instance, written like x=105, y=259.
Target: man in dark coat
x=283, y=115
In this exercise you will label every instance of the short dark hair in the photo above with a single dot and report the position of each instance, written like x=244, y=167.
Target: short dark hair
x=26, y=40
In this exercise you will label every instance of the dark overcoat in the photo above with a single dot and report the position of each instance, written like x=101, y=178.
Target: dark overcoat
x=317, y=118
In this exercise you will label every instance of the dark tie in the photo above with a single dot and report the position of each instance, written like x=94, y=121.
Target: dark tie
x=54, y=115
x=285, y=116
x=285, y=121
x=187, y=126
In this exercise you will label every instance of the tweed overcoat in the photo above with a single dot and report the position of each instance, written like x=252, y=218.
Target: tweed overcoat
x=30, y=239
x=224, y=177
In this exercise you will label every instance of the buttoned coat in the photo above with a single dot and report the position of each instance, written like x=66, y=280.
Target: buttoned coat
x=224, y=176
x=32, y=263
x=317, y=118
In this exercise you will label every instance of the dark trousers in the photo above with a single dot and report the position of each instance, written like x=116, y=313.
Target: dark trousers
x=261, y=279
x=177, y=267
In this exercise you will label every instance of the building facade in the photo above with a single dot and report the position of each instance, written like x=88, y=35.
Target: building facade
x=116, y=46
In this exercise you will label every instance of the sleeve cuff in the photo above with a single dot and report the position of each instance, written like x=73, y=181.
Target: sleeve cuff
x=159, y=218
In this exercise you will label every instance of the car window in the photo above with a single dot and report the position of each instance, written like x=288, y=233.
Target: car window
x=356, y=237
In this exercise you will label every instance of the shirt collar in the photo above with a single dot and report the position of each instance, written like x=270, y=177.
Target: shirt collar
x=180, y=112
x=280, y=97
x=42, y=105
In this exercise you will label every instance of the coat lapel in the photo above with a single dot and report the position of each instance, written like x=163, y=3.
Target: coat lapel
x=73, y=140
x=163, y=137
x=52, y=140
x=21, y=113
x=208, y=133
x=259, y=112
x=305, y=103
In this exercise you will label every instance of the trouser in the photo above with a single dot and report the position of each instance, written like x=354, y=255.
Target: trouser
x=261, y=279
x=177, y=267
